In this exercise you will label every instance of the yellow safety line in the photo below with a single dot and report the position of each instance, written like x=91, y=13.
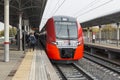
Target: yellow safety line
x=23, y=71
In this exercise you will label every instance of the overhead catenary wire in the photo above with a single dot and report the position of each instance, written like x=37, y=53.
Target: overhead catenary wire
x=94, y=8
x=59, y=6
x=54, y=7
x=87, y=6
x=54, y=10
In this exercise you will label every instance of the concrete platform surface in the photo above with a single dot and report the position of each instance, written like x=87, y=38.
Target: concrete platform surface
x=36, y=66
x=8, y=69
x=31, y=65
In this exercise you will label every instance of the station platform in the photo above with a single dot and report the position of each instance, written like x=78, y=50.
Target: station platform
x=102, y=46
x=8, y=69
x=111, y=50
x=36, y=66
x=31, y=65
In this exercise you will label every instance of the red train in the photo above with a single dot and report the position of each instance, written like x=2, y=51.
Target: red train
x=63, y=39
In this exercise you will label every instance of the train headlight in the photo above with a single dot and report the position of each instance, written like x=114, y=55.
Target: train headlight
x=55, y=43
x=78, y=43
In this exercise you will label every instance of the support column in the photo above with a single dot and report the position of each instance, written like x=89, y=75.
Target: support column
x=25, y=28
x=24, y=43
x=92, y=51
x=118, y=34
x=6, y=33
x=28, y=29
x=18, y=38
x=88, y=34
x=20, y=31
x=99, y=34
x=111, y=55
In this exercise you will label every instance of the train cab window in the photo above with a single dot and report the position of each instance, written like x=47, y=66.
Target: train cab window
x=66, y=30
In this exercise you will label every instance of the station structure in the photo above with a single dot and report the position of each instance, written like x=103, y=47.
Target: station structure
x=27, y=14
x=24, y=14
x=107, y=19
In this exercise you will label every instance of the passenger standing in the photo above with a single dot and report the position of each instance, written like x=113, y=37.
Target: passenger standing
x=32, y=41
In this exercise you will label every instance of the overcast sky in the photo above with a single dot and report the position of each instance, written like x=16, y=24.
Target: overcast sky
x=83, y=10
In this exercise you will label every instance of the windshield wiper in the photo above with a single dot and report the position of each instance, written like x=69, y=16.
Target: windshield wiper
x=68, y=35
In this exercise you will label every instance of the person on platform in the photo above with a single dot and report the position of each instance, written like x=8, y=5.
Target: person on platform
x=32, y=41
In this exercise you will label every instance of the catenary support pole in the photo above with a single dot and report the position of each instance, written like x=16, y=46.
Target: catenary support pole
x=99, y=34
x=88, y=34
x=6, y=33
x=118, y=34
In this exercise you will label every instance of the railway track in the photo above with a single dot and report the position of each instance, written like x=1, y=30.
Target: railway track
x=72, y=72
x=115, y=67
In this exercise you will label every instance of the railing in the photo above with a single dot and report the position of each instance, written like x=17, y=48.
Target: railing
x=103, y=41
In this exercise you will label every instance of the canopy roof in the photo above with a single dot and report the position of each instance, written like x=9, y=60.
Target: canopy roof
x=32, y=10
x=110, y=18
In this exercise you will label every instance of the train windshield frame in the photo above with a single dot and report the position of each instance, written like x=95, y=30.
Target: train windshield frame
x=66, y=30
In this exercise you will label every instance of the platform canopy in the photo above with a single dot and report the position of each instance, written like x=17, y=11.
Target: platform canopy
x=32, y=10
x=106, y=19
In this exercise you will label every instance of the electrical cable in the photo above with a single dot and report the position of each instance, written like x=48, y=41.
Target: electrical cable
x=87, y=6
x=95, y=8
x=50, y=12
x=59, y=7
x=55, y=7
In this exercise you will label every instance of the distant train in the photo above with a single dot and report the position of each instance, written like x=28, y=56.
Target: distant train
x=62, y=37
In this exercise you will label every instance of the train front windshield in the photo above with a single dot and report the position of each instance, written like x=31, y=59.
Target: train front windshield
x=66, y=30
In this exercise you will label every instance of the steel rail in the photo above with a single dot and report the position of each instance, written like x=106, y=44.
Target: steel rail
x=96, y=58
x=77, y=71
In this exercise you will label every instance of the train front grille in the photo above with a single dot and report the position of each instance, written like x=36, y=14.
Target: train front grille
x=67, y=52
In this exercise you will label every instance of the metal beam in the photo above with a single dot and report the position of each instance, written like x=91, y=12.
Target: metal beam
x=25, y=3
x=18, y=1
x=12, y=2
x=30, y=7
x=10, y=6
